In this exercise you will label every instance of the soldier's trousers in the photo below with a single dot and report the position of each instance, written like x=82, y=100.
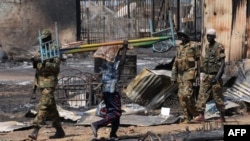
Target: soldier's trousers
x=47, y=109
x=186, y=98
x=113, y=105
x=207, y=92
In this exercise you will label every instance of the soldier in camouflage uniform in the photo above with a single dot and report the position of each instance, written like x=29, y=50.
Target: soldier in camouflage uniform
x=184, y=72
x=47, y=73
x=213, y=69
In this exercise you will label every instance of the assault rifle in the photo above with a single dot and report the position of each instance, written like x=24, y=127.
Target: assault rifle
x=197, y=77
x=197, y=80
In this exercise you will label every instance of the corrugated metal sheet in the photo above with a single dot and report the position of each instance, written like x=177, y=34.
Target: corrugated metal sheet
x=248, y=30
x=228, y=18
x=150, y=89
x=240, y=90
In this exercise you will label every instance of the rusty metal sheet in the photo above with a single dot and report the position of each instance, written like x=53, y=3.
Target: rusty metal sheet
x=147, y=85
x=65, y=114
x=138, y=120
x=9, y=126
x=236, y=48
x=247, y=51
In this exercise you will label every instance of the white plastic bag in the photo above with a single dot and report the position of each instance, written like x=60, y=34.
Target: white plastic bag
x=101, y=110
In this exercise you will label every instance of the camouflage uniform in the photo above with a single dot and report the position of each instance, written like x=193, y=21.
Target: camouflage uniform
x=46, y=80
x=47, y=73
x=212, y=62
x=184, y=72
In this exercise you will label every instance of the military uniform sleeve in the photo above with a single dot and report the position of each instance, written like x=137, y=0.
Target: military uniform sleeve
x=174, y=71
x=53, y=65
x=222, y=51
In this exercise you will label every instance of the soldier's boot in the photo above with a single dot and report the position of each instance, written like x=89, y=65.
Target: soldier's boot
x=34, y=133
x=222, y=117
x=186, y=121
x=59, y=133
x=199, y=118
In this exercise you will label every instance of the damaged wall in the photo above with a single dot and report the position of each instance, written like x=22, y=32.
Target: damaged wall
x=229, y=19
x=248, y=30
x=21, y=19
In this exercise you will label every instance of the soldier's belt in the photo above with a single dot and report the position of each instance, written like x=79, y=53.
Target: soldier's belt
x=212, y=73
x=46, y=74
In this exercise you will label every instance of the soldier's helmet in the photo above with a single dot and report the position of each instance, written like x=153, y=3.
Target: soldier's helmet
x=184, y=32
x=45, y=34
x=211, y=31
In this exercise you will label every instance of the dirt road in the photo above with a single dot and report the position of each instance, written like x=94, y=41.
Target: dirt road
x=13, y=96
x=129, y=133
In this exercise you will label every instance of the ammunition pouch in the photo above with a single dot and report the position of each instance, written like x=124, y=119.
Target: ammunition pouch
x=211, y=67
x=185, y=63
x=45, y=73
x=190, y=74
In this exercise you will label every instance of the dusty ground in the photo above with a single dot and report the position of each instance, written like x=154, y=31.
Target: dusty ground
x=13, y=97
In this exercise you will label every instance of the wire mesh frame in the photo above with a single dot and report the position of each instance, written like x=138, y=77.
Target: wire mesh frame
x=77, y=90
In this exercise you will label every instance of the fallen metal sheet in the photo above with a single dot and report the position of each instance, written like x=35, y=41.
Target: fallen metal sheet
x=133, y=114
x=138, y=120
x=161, y=97
x=212, y=112
x=9, y=126
x=133, y=108
x=150, y=88
x=127, y=109
x=240, y=89
x=68, y=115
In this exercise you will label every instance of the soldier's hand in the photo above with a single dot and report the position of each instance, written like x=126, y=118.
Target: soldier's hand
x=32, y=59
x=213, y=81
x=35, y=59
